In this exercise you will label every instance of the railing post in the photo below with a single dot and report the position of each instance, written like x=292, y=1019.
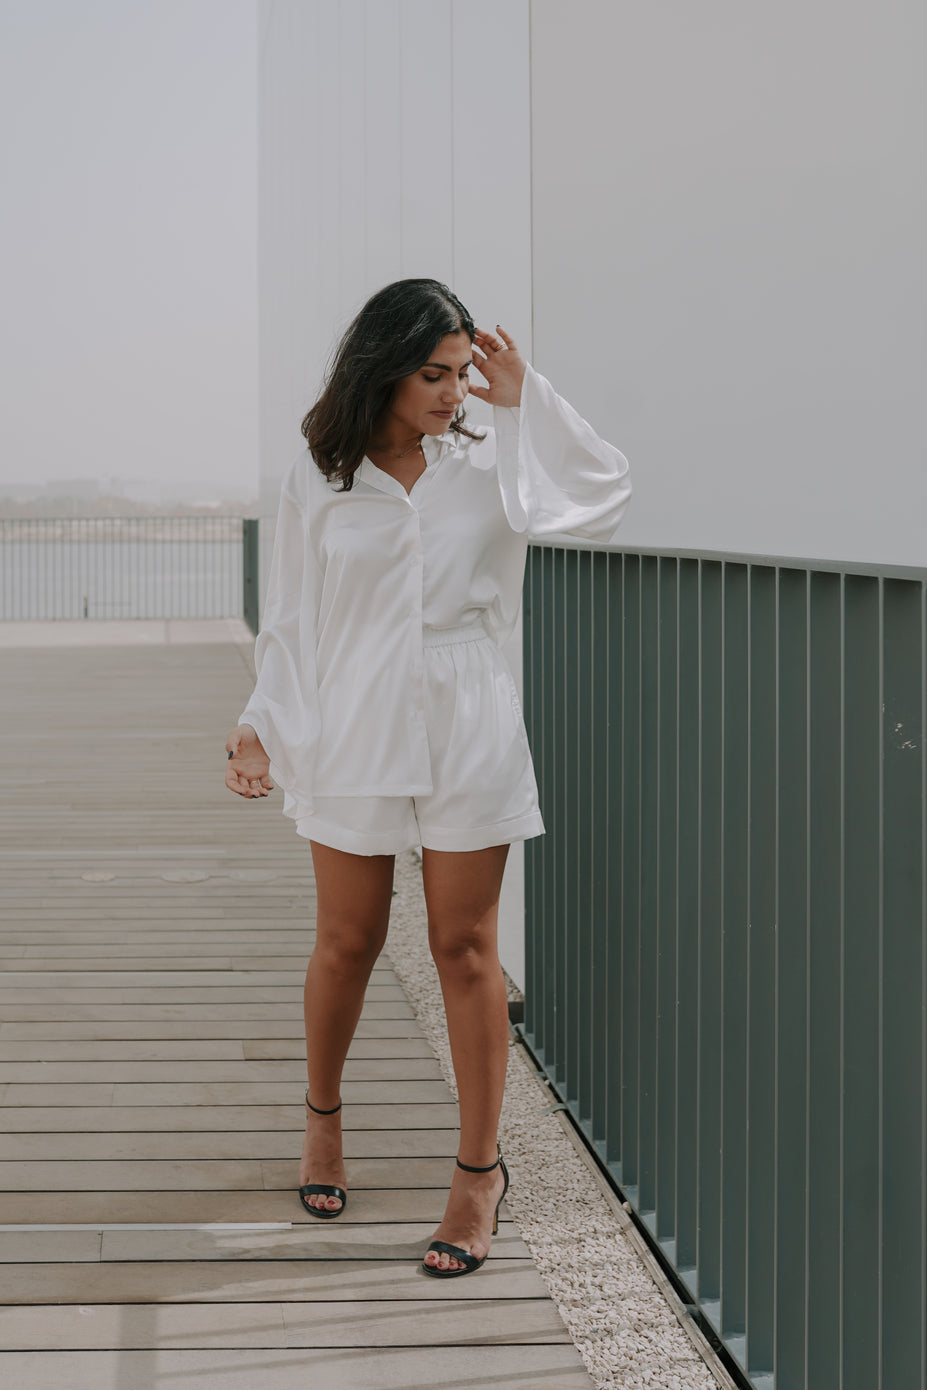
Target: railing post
x=249, y=571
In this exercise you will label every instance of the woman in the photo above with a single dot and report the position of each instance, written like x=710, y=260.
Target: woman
x=383, y=704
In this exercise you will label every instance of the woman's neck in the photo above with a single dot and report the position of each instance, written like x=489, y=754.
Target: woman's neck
x=396, y=442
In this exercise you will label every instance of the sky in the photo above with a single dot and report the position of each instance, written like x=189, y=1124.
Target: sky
x=128, y=275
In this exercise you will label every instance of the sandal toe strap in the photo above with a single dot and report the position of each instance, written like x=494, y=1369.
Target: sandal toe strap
x=442, y=1248
x=321, y=1189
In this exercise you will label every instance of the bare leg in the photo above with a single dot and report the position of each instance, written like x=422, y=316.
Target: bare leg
x=462, y=897
x=354, y=893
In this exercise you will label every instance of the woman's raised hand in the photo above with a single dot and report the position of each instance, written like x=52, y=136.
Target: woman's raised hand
x=496, y=357
x=247, y=770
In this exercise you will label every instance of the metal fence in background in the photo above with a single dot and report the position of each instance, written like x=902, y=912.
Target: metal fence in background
x=126, y=567
x=727, y=934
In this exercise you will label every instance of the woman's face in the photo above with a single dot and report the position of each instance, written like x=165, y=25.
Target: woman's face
x=427, y=401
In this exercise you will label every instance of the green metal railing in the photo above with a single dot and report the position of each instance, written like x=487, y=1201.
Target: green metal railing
x=727, y=934
x=128, y=567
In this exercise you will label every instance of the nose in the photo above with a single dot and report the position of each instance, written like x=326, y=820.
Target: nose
x=458, y=392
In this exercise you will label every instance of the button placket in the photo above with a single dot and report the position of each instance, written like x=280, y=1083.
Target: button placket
x=417, y=701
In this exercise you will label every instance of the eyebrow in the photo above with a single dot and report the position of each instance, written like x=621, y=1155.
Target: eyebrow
x=443, y=367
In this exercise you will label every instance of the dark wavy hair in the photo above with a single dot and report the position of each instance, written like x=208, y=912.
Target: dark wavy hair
x=393, y=336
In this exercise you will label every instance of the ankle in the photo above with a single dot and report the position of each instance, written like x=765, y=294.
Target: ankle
x=322, y=1109
x=480, y=1167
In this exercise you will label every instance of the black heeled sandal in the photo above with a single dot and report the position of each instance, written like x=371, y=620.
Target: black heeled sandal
x=319, y=1189
x=470, y=1262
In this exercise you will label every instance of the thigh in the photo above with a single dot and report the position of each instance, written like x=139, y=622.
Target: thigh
x=354, y=892
x=462, y=892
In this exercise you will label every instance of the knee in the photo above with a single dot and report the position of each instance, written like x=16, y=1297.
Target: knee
x=462, y=951
x=346, y=949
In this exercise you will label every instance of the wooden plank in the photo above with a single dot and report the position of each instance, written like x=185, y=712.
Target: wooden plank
x=527, y=1367
x=199, y=1049
x=466, y=1322
x=272, y=1031
x=213, y=1175
x=190, y=1070
x=263, y=1145
x=76, y=1119
x=259, y=1281
x=175, y=1008
x=82, y=1208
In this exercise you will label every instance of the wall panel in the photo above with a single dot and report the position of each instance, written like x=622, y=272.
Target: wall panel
x=729, y=211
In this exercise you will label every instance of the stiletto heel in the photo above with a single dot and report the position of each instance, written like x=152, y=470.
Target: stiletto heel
x=318, y=1189
x=470, y=1262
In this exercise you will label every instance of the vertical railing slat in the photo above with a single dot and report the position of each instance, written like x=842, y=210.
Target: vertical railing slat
x=860, y=1081
x=825, y=980
x=761, y=971
x=614, y=920
x=904, y=942
x=649, y=799
x=631, y=878
x=599, y=696
x=735, y=897
x=711, y=935
x=789, y=1196
x=687, y=916
x=667, y=927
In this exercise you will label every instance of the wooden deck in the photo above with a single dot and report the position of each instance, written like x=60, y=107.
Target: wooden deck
x=153, y=936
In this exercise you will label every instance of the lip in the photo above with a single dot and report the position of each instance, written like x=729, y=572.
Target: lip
x=444, y=414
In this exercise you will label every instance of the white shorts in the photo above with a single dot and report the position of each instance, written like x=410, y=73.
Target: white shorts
x=484, y=789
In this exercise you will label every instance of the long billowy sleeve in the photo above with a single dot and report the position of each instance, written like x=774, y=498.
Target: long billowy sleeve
x=284, y=707
x=557, y=477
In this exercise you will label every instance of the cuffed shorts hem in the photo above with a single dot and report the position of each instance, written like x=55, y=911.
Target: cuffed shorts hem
x=504, y=832
x=326, y=832
x=410, y=835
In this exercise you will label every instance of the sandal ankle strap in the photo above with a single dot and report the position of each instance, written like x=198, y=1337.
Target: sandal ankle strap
x=488, y=1169
x=316, y=1111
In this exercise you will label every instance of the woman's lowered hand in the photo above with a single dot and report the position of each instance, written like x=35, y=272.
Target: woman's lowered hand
x=496, y=357
x=247, y=770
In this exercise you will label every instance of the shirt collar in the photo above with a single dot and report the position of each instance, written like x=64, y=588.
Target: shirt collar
x=434, y=447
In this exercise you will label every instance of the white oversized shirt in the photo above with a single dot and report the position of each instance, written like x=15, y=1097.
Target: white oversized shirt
x=356, y=576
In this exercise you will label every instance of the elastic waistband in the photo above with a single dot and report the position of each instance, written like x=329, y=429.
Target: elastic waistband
x=450, y=636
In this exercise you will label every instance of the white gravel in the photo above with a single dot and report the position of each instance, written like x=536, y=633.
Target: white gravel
x=630, y=1331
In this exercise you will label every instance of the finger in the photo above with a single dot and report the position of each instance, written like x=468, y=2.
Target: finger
x=490, y=343
x=506, y=338
x=482, y=393
x=256, y=788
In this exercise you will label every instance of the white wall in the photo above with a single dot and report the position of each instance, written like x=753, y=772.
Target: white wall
x=729, y=222
x=394, y=142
